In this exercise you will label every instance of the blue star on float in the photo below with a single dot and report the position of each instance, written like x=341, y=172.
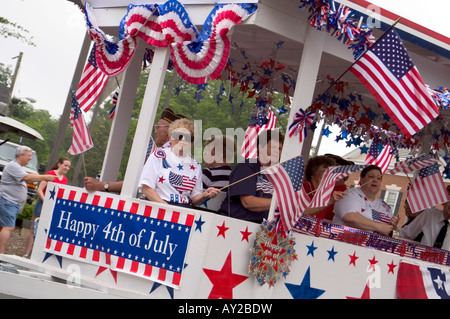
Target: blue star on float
x=326, y=131
x=52, y=193
x=311, y=249
x=331, y=253
x=180, y=167
x=304, y=290
x=198, y=224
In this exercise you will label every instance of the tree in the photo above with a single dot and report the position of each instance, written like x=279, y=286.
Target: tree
x=11, y=29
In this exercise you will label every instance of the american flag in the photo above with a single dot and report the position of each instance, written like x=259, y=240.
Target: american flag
x=379, y=156
x=182, y=183
x=415, y=164
x=329, y=178
x=388, y=72
x=92, y=83
x=81, y=140
x=249, y=149
x=286, y=179
x=380, y=217
x=427, y=189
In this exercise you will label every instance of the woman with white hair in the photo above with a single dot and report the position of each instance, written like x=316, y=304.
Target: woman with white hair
x=13, y=191
x=171, y=175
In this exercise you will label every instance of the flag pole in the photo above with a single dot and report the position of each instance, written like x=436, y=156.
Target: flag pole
x=356, y=61
x=242, y=179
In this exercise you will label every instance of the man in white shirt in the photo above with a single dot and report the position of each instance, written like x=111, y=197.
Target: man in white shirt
x=430, y=222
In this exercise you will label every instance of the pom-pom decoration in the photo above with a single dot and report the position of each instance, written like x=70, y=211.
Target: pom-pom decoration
x=272, y=254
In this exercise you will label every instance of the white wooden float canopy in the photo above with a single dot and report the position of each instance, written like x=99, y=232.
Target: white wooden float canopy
x=307, y=53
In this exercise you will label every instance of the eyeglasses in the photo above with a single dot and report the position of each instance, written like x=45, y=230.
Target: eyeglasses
x=176, y=136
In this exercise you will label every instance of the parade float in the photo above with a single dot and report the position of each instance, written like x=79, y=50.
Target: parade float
x=103, y=245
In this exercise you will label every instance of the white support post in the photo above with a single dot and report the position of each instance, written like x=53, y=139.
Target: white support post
x=304, y=92
x=146, y=120
x=122, y=118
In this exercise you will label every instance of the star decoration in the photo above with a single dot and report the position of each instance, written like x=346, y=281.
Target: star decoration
x=272, y=254
x=223, y=280
x=304, y=290
x=353, y=259
x=331, y=253
x=311, y=249
x=245, y=234
x=391, y=267
x=52, y=193
x=326, y=131
x=222, y=230
x=161, y=179
x=198, y=224
x=364, y=149
x=373, y=262
x=180, y=167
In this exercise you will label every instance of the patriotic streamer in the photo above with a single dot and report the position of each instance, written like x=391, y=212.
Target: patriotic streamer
x=196, y=56
x=208, y=54
x=300, y=124
x=112, y=58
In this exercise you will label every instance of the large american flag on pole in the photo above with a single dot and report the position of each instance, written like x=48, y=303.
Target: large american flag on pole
x=92, y=83
x=379, y=155
x=388, y=72
x=81, y=140
x=427, y=189
x=249, y=148
x=287, y=179
x=329, y=178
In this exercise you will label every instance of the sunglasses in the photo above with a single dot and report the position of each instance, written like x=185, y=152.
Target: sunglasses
x=177, y=136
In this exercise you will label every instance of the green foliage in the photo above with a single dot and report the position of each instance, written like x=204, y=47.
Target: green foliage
x=11, y=29
x=233, y=111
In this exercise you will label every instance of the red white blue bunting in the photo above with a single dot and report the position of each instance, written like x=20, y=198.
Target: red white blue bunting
x=196, y=56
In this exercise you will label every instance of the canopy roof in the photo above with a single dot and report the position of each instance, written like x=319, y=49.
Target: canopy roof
x=10, y=125
x=271, y=44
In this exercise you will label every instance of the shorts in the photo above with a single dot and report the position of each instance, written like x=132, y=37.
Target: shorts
x=8, y=213
x=37, y=207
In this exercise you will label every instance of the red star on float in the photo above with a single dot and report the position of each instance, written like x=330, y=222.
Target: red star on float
x=161, y=179
x=353, y=259
x=391, y=266
x=223, y=280
x=245, y=234
x=372, y=263
x=222, y=230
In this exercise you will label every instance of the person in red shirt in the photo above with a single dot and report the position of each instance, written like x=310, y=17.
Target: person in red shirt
x=313, y=175
x=59, y=169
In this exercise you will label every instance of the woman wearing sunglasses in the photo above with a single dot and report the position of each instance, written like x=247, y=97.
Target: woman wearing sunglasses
x=171, y=175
